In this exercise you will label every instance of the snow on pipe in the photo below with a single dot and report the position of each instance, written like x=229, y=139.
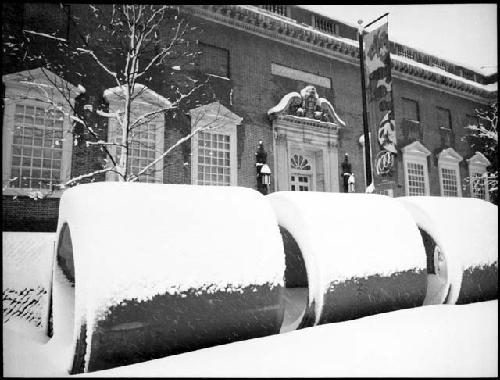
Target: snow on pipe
x=363, y=254
x=465, y=235
x=162, y=269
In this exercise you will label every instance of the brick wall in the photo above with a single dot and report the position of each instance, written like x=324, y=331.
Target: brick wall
x=27, y=214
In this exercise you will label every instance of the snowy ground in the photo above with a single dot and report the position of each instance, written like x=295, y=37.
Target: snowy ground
x=439, y=340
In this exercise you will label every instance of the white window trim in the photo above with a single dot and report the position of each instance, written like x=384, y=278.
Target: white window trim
x=216, y=118
x=449, y=159
x=478, y=163
x=416, y=153
x=35, y=82
x=148, y=101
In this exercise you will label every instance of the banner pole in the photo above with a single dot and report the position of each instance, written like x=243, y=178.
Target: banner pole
x=366, y=132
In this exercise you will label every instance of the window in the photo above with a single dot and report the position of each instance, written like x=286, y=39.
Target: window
x=478, y=179
x=478, y=185
x=36, y=147
x=410, y=109
x=443, y=118
x=146, y=139
x=213, y=60
x=301, y=178
x=213, y=148
x=449, y=173
x=471, y=120
x=449, y=182
x=416, y=178
x=415, y=169
x=214, y=159
x=142, y=151
x=37, y=140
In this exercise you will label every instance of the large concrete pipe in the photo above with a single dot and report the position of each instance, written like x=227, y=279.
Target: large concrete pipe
x=155, y=270
x=363, y=254
x=464, y=236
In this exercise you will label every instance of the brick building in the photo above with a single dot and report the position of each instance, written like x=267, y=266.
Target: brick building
x=257, y=56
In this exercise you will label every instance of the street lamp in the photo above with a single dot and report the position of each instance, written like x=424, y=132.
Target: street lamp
x=263, y=170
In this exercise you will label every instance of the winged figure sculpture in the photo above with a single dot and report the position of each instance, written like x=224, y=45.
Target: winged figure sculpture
x=308, y=104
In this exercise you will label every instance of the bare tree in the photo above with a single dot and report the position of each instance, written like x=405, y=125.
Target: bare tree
x=130, y=46
x=483, y=137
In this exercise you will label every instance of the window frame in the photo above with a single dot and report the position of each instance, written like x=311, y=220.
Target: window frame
x=478, y=163
x=148, y=101
x=16, y=87
x=209, y=70
x=449, y=159
x=416, y=153
x=227, y=123
x=404, y=101
x=450, y=124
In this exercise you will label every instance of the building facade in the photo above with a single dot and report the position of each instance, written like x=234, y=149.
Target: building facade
x=283, y=76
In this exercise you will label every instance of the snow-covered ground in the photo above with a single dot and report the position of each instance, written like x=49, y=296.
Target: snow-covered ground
x=443, y=340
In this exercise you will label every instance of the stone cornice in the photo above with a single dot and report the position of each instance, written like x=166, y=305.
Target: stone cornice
x=281, y=30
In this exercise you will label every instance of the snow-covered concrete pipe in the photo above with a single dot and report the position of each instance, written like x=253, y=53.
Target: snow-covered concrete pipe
x=465, y=231
x=363, y=254
x=156, y=270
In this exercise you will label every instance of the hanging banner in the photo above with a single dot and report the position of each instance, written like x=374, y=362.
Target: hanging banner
x=380, y=107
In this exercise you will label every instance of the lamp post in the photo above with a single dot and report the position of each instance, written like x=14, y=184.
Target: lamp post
x=263, y=170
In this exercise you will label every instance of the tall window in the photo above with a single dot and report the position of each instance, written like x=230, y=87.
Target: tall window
x=37, y=140
x=36, y=147
x=213, y=148
x=214, y=159
x=146, y=139
x=449, y=173
x=443, y=118
x=415, y=168
x=410, y=109
x=416, y=178
x=213, y=60
x=449, y=182
x=142, y=151
x=479, y=184
x=478, y=179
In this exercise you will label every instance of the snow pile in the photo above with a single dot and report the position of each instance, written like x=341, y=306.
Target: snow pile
x=441, y=341
x=26, y=272
x=465, y=229
x=345, y=236
x=135, y=241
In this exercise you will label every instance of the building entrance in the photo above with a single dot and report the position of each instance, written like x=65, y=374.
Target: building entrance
x=300, y=182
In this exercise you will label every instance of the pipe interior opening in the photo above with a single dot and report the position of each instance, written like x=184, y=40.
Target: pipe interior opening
x=437, y=274
x=295, y=296
x=62, y=295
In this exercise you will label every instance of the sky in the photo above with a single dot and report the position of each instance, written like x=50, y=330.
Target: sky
x=465, y=34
